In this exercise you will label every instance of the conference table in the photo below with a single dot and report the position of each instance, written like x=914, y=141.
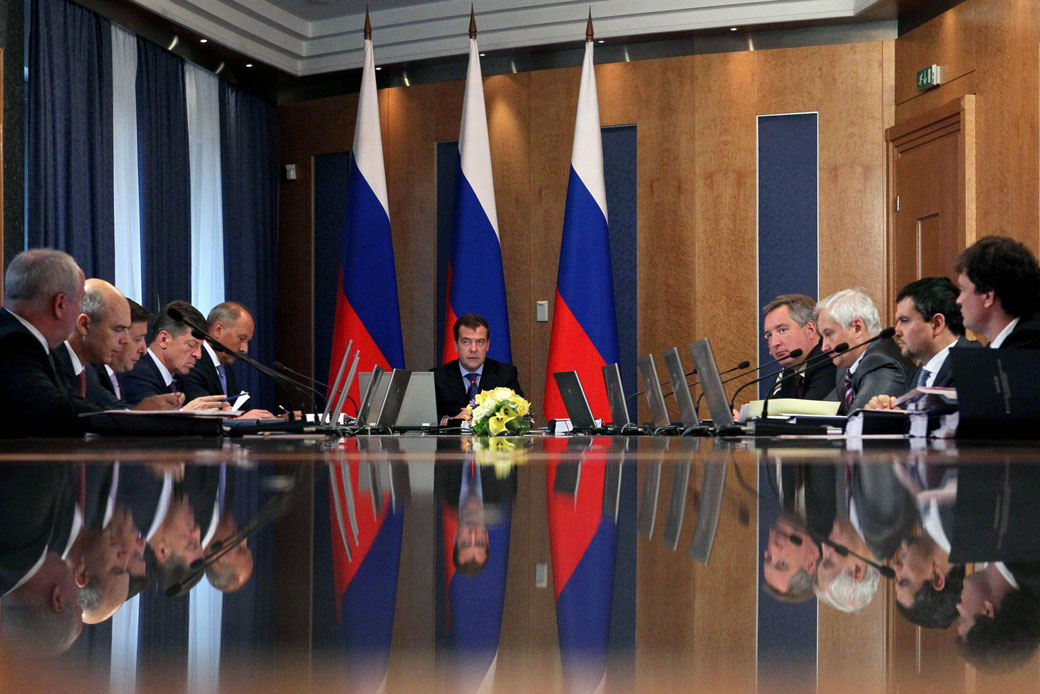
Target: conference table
x=604, y=563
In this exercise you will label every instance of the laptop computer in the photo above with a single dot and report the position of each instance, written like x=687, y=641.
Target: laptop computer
x=652, y=387
x=419, y=409
x=711, y=382
x=392, y=399
x=687, y=411
x=574, y=400
x=344, y=389
x=616, y=395
x=332, y=397
x=369, y=391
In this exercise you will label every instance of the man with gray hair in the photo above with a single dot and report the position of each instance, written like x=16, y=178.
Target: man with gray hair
x=43, y=289
x=850, y=316
x=846, y=582
x=789, y=325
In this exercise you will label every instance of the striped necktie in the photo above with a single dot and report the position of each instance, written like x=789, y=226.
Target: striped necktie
x=849, y=391
x=922, y=379
x=471, y=393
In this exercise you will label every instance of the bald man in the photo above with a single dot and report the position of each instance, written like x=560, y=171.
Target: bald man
x=101, y=332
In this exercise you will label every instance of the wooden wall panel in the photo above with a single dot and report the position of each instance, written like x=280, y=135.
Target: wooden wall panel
x=947, y=41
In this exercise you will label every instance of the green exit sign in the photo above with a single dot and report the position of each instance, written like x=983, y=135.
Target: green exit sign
x=928, y=77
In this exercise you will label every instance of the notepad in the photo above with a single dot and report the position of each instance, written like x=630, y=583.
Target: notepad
x=789, y=406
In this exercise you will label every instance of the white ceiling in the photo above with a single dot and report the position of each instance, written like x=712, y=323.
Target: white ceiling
x=307, y=37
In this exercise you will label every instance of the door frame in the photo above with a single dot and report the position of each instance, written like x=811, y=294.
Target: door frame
x=957, y=116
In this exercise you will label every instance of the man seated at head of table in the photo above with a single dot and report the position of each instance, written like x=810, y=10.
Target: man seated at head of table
x=999, y=282
x=102, y=333
x=458, y=382
x=172, y=350
x=789, y=325
x=43, y=289
x=850, y=316
x=928, y=324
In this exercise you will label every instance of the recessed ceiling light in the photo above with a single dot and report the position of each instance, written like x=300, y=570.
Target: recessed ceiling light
x=249, y=65
x=203, y=40
x=732, y=28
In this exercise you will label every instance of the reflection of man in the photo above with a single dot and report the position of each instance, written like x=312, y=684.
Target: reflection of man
x=43, y=289
x=789, y=566
x=999, y=624
x=212, y=374
x=459, y=381
x=231, y=571
x=790, y=324
x=172, y=351
x=99, y=563
x=999, y=283
x=928, y=324
x=176, y=543
x=102, y=332
x=850, y=316
x=476, y=494
x=846, y=583
x=928, y=586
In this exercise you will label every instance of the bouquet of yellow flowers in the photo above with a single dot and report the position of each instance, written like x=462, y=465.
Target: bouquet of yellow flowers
x=500, y=412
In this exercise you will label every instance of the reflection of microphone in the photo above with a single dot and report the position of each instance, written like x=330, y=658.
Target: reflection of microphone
x=842, y=550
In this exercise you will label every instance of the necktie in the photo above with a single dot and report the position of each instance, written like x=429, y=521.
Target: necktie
x=779, y=383
x=471, y=394
x=850, y=393
x=922, y=379
x=799, y=386
x=82, y=383
x=222, y=374
x=172, y=387
x=115, y=386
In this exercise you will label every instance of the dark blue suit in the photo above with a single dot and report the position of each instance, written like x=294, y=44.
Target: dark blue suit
x=143, y=381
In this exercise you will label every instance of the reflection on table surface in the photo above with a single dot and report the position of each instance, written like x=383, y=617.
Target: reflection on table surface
x=423, y=563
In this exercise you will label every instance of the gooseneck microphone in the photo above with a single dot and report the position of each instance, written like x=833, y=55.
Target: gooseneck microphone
x=282, y=367
x=819, y=357
x=741, y=365
x=843, y=551
x=199, y=333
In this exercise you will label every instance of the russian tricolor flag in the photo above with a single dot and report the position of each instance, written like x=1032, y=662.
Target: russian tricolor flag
x=583, y=544
x=476, y=283
x=367, y=311
x=584, y=330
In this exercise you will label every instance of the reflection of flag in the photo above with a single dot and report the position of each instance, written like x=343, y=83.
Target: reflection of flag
x=366, y=301
x=584, y=330
x=366, y=582
x=583, y=542
x=475, y=280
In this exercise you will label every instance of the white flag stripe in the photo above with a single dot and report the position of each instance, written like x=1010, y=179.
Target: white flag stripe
x=368, y=142
x=587, y=154
x=474, y=145
x=202, y=99
x=125, y=192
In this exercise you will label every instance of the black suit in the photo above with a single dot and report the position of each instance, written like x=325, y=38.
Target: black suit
x=204, y=380
x=30, y=497
x=34, y=400
x=447, y=484
x=451, y=391
x=944, y=377
x=97, y=392
x=1026, y=334
x=139, y=491
x=817, y=379
x=882, y=371
x=143, y=381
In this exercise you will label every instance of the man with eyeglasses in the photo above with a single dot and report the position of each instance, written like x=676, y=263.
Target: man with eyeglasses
x=789, y=325
x=459, y=381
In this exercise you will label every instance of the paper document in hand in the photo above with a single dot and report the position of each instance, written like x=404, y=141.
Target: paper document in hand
x=924, y=398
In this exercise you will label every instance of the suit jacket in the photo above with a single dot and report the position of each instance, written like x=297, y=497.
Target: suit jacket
x=29, y=498
x=97, y=393
x=204, y=380
x=882, y=371
x=139, y=491
x=451, y=392
x=143, y=381
x=818, y=379
x=944, y=378
x=447, y=484
x=34, y=400
x=887, y=512
x=1026, y=334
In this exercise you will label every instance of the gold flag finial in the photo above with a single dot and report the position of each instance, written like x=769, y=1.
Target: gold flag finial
x=472, y=22
x=368, y=25
x=588, y=28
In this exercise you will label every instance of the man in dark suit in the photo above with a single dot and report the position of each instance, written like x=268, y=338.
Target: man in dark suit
x=173, y=350
x=928, y=324
x=110, y=375
x=43, y=291
x=213, y=374
x=102, y=331
x=459, y=381
x=879, y=369
x=475, y=495
x=999, y=282
x=790, y=324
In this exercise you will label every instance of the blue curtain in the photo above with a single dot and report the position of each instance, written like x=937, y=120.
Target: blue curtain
x=250, y=190
x=69, y=186
x=162, y=150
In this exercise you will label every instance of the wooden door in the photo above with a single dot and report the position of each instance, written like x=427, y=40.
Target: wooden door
x=931, y=196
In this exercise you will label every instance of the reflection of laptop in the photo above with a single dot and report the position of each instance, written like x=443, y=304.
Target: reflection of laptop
x=687, y=412
x=652, y=386
x=615, y=395
x=393, y=398
x=574, y=400
x=420, y=402
x=369, y=388
x=711, y=383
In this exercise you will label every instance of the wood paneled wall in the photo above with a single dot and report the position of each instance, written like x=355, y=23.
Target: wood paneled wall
x=696, y=186
x=990, y=48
